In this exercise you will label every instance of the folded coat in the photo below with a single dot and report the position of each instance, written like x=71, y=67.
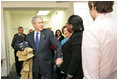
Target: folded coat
x=26, y=56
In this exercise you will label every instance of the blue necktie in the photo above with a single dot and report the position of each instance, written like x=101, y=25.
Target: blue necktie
x=37, y=41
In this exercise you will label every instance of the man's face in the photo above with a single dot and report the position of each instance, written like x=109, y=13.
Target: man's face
x=93, y=12
x=38, y=25
x=20, y=31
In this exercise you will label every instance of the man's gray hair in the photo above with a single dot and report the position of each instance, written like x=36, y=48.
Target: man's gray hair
x=34, y=18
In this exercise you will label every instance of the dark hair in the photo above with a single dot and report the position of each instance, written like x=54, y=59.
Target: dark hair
x=76, y=22
x=20, y=27
x=56, y=33
x=102, y=6
x=63, y=29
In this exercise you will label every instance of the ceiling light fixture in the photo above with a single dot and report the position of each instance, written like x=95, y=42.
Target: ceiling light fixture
x=43, y=12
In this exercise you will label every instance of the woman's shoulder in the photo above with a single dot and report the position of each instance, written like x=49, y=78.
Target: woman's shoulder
x=65, y=39
x=76, y=37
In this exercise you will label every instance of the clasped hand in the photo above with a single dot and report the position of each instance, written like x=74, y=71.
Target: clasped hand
x=59, y=61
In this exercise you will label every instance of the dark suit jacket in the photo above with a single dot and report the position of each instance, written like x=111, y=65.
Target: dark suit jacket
x=61, y=38
x=72, y=59
x=42, y=61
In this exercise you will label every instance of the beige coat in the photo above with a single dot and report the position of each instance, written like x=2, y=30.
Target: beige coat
x=26, y=56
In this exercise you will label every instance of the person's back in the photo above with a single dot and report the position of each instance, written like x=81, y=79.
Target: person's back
x=105, y=31
x=99, y=45
x=108, y=48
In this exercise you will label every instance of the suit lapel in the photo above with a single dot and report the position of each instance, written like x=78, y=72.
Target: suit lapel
x=41, y=39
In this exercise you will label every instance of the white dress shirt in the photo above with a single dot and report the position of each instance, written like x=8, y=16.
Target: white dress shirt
x=99, y=49
x=35, y=35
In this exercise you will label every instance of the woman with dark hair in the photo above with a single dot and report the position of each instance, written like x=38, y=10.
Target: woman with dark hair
x=58, y=34
x=71, y=50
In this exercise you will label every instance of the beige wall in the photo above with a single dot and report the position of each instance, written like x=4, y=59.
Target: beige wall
x=4, y=68
x=23, y=20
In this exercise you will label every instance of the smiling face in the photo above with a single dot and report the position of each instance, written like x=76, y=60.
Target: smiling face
x=38, y=24
x=58, y=33
x=66, y=33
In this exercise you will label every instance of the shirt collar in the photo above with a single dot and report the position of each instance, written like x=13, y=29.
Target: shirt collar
x=20, y=34
x=36, y=32
x=102, y=15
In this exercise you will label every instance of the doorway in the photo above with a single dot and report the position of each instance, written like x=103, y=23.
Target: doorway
x=20, y=13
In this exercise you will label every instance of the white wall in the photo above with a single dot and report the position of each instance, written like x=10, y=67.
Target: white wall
x=56, y=20
x=114, y=13
x=59, y=18
x=81, y=9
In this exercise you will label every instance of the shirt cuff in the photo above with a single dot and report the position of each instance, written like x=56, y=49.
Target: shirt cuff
x=69, y=75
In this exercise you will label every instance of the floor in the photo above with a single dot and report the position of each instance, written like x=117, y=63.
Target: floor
x=14, y=76
x=11, y=76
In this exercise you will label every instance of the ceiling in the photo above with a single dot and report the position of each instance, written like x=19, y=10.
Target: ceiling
x=41, y=5
x=30, y=10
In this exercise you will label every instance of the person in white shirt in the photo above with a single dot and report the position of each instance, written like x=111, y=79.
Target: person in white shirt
x=99, y=44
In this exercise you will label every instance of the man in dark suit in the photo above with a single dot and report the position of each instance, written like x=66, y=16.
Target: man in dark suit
x=19, y=37
x=40, y=40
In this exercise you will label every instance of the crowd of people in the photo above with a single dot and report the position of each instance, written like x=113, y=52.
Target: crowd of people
x=89, y=53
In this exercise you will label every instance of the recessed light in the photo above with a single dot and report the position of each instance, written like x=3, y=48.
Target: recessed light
x=43, y=12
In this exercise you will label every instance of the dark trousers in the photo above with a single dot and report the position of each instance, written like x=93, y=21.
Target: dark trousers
x=18, y=64
x=60, y=75
x=37, y=75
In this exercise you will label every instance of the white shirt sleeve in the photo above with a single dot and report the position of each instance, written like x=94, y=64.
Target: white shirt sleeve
x=90, y=55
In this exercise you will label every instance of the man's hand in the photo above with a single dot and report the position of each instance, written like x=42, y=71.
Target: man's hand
x=68, y=77
x=59, y=61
